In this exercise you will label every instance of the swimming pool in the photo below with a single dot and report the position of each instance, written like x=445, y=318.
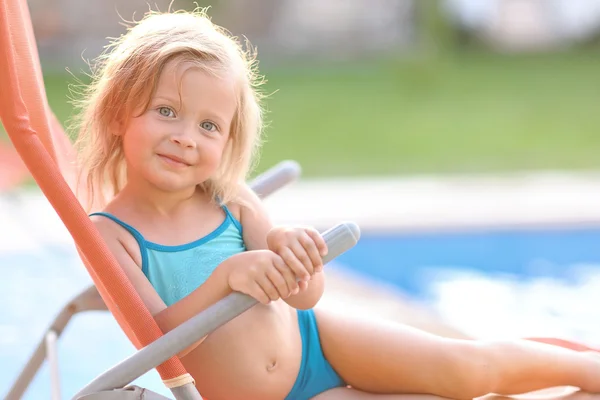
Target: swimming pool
x=411, y=261
x=495, y=283
x=536, y=281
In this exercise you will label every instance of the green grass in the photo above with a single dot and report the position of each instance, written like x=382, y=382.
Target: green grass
x=470, y=113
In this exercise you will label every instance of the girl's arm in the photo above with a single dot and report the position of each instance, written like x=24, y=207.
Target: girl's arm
x=214, y=289
x=256, y=225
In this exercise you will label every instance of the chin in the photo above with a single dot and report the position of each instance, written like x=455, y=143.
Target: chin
x=170, y=182
x=172, y=186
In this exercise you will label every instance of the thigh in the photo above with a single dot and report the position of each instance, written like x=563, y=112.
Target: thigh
x=353, y=394
x=378, y=356
x=550, y=394
x=557, y=393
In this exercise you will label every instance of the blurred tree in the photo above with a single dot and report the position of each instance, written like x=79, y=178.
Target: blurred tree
x=436, y=40
x=436, y=33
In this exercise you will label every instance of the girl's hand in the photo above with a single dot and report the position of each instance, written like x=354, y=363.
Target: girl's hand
x=301, y=249
x=261, y=274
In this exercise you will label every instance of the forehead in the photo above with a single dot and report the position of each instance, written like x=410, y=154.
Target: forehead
x=196, y=86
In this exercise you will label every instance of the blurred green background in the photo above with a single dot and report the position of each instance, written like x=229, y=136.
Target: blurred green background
x=476, y=112
x=448, y=105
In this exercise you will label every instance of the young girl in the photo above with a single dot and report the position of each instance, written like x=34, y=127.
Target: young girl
x=168, y=129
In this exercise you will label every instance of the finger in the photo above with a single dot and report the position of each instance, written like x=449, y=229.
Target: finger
x=279, y=282
x=314, y=252
x=257, y=292
x=319, y=241
x=287, y=273
x=305, y=249
x=297, y=266
x=303, y=285
x=267, y=286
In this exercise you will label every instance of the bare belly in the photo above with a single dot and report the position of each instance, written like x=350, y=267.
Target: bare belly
x=255, y=356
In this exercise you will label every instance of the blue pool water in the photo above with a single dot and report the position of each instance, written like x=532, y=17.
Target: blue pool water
x=495, y=284
x=503, y=283
x=408, y=261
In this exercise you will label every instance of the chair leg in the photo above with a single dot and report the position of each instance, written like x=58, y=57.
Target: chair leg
x=51, y=338
x=87, y=300
x=128, y=393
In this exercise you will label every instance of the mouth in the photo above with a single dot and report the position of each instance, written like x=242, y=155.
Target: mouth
x=174, y=160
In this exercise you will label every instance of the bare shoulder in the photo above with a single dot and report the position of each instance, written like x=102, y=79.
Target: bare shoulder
x=252, y=214
x=235, y=208
x=127, y=253
x=117, y=238
x=107, y=227
x=246, y=201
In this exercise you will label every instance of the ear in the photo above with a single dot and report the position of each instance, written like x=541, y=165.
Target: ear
x=117, y=127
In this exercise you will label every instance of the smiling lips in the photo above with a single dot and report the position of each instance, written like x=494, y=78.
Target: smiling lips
x=174, y=160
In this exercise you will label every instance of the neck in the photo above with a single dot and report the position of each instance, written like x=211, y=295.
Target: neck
x=147, y=197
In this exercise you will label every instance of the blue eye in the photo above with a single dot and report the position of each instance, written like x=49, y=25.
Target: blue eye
x=166, y=112
x=208, y=126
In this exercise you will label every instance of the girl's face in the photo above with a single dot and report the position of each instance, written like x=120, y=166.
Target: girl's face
x=178, y=141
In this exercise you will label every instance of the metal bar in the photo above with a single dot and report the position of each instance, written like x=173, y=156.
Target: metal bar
x=87, y=300
x=270, y=181
x=129, y=393
x=186, y=392
x=51, y=338
x=339, y=239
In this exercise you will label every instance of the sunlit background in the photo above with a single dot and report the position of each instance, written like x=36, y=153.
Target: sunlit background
x=462, y=135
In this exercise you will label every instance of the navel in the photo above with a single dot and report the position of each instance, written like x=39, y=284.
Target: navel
x=272, y=366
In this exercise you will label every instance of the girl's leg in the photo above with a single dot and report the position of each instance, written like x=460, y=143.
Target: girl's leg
x=384, y=357
x=352, y=394
x=557, y=393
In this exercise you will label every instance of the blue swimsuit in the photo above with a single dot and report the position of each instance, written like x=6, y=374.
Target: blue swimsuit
x=176, y=271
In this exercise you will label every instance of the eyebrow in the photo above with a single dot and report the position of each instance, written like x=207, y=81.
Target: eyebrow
x=167, y=98
x=218, y=119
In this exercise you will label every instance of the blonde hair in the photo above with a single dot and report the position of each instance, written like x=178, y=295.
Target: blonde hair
x=125, y=77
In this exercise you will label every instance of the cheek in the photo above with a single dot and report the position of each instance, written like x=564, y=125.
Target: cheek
x=135, y=147
x=130, y=145
x=138, y=135
x=221, y=149
x=212, y=156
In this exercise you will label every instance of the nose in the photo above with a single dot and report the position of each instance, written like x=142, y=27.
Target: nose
x=183, y=141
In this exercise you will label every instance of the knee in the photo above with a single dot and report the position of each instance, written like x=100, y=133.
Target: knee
x=473, y=371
